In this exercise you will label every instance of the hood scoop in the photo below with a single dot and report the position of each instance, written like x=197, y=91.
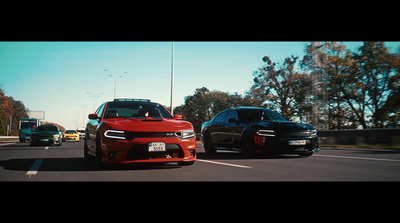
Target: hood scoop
x=151, y=120
x=146, y=119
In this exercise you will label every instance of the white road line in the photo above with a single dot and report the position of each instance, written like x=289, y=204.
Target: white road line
x=359, y=158
x=226, y=164
x=6, y=144
x=35, y=167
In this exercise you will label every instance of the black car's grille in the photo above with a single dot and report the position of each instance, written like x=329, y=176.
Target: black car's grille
x=132, y=135
x=141, y=151
x=295, y=134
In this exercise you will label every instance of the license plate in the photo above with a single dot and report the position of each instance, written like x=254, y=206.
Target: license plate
x=157, y=146
x=44, y=140
x=297, y=142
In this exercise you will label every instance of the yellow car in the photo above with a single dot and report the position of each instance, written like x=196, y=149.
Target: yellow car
x=72, y=135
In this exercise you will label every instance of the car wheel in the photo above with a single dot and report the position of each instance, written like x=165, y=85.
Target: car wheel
x=208, y=146
x=99, y=154
x=306, y=154
x=85, y=151
x=248, y=145
x=181, y=163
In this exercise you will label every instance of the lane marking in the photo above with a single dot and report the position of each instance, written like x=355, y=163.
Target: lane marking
x=6, y=144
x=46, y=147
x=221, y=163
x=359, y=158
x=35, y=167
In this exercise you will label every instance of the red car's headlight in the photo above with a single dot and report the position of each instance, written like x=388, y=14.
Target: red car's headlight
x=185, y=134
x=115, y=134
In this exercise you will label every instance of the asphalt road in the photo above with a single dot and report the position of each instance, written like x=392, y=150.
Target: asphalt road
x=20, y=162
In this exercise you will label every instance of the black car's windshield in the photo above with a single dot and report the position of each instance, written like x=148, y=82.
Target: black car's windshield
x=43, y=128
x=258, y=115
x=135, y=109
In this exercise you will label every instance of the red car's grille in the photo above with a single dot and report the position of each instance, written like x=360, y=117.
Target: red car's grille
x=132, y=135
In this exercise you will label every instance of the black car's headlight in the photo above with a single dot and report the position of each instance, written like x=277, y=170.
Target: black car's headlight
x=313, y=132
x=115, y=134
x=270, y=133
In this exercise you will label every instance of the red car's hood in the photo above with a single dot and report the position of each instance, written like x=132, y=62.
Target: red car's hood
x=147, y=124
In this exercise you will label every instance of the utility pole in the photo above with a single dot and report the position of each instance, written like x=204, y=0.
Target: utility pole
x=172, y=79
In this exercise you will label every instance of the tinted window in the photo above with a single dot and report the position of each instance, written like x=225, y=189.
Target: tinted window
x=100, y=110
x=221, y=117
x=43, y=128
x=232, y=114
x=135, y=109
x=258, y=115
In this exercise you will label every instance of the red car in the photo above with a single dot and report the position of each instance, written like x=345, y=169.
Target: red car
x=138, y=130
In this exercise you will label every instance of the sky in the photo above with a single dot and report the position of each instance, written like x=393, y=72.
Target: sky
x=59, y=77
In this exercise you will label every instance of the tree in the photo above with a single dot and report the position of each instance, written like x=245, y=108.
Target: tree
x=336, y=64
x=281, y=87
x=11, y=111
x=204, y=104
x=19, y=111
x=377, y=69
x=358, y=84
x=196, y=108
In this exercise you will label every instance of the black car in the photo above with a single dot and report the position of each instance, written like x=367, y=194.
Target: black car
x=46, y=135
x=251, y=130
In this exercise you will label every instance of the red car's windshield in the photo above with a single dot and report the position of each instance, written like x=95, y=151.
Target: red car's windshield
x=127, y=109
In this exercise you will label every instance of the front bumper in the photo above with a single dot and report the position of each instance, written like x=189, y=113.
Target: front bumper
x=72, y=138
x=136, y=150
x=45, y=141
x=281, y=145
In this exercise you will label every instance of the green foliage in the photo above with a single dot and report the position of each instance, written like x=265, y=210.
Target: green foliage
x=204, y=104
x=334, y=88
x=10, y=108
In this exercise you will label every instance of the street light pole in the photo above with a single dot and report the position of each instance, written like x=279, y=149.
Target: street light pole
x=115, y=76
x=172, y=79
x=94, y=96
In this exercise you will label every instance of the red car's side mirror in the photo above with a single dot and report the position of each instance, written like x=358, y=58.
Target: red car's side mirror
x=93, y=116
x=178, y=117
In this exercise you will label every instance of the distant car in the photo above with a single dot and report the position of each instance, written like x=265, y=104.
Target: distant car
x=71, y=135
x=81, y=132
x=46, y=135
x=138, y=130
x=251, y=130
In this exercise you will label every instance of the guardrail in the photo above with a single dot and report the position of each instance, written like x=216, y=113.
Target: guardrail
x=8, y=138
x=360, y=136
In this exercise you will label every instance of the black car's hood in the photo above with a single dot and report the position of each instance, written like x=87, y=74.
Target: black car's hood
x=285, y=126
x=44, y=133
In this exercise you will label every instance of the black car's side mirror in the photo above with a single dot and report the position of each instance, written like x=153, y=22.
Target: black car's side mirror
x=233, y=120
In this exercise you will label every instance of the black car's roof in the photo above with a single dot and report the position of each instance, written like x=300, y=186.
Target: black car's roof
x=243, y=108
x=246, y=108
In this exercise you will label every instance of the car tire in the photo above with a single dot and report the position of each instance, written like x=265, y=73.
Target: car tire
x=99, y=154
x=208, y=146
x=307, y=154
x=182, y=163
x=248, y=145
x=85, y=151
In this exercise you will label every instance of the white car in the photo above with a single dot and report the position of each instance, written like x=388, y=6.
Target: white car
x=81, y=133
